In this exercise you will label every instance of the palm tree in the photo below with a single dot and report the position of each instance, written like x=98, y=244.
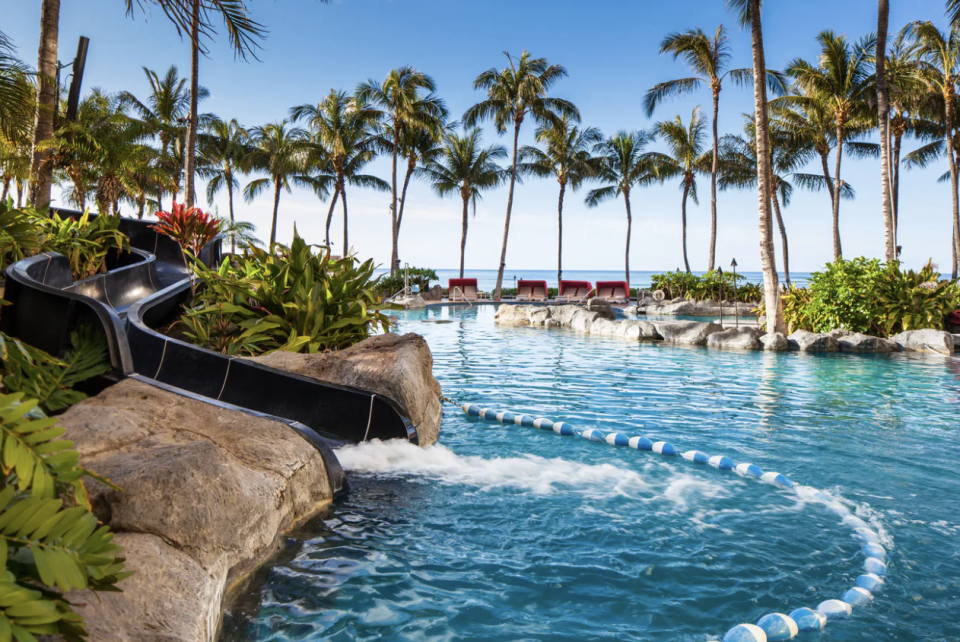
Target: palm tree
x=749, y=13
x=514, y=93
x=407, y=101
x=341, y=127
x=939, y=58
x=567, y=156
x=41, y=172
x=280, y=152
x=242, y=233
x=841, y=80
x=464, y=167
x=17, y=94
x=141, y=176
x=883, y=115
x=686, y=160
x=194, y=17
x=223, y=149
x=419, y=146
x=623, y=165
x=709, y=59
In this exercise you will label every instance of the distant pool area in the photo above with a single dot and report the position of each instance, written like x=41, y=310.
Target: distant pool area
x=509, y=533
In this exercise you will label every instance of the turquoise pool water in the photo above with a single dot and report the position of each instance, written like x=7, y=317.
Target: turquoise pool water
x=505, y=533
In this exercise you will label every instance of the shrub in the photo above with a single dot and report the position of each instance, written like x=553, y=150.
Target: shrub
x=19, y=235
x=708, y=286
x=190, y=227
x=291, y=300
x=85, y=242
x=388, y=285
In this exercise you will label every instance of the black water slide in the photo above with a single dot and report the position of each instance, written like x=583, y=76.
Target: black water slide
x=144, y=290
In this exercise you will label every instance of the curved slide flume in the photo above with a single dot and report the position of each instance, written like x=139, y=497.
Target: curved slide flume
x=143, y=290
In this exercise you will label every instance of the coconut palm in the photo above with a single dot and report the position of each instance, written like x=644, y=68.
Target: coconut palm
x=142, y=176
x=17, y=94
x=686, y=160
x=14, y=164
x=623, y=166
x=466, y=168
x=883, y=115
x=748, y=12
x=709, y=58
x=41, y=170
x=939, y=61
x=842, y=81
x=242, y=233
x=281, y=152
x=567, y=156
x=419, y=146
x=513, y=94
x=223, y=148
x=407, y=102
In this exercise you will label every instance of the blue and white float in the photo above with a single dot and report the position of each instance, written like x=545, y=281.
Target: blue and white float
x=808, y=619
x=745, y=633
x=778, y=627
x=835, y=609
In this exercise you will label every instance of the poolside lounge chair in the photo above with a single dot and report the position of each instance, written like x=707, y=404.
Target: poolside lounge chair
x=531, y=290
x=614, y=291
x=574, y=291
x=462, y=289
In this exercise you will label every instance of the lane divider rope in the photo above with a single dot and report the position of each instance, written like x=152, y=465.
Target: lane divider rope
x=773, y=627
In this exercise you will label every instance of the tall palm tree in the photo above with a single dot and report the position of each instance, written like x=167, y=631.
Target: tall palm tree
x=709, y=58
x=141, y=176
x=749, y=14
x=623, y=166
x=222, y=151
x=883, y=115
x=341, y=127
x=17, y=94
x=513, y=94
x=41, y=171
x=686, y=159
x=939, y=58
x=567, y=156
x=280, y=152
x=841, y=80
x=195, y=18
x=465, y=168
x=419, y=146
x=407, y=102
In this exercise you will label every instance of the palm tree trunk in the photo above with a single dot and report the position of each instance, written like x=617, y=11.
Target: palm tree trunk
x=563, y=189
x=767, y=253
x=713, y=182
x=953, y=174
x=896, y=186
x=277, y=182
x=191, y=140
x=411, y=165
x=333, y=204
x=141, y=206
x=826, y=176
x=783, y=238
x=19, y=193
x=837, y=249
x=506, y=225
x=394, y=259
x=463, y=236
x=626, y=200
x=233, y=239
x=346, y=237
x=683, y=222
x=41, y=171
x=6, y=189
x=883, y=108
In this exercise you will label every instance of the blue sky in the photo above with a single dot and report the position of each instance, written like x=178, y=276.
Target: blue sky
x=610, y=50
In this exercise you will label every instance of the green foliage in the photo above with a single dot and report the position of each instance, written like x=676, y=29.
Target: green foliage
x=708, y=286
x=868, y=296
x=289, y=300
x=388, y=285
x=50, y=541
x=85, y=241
x=19, y=236
x=49, y=380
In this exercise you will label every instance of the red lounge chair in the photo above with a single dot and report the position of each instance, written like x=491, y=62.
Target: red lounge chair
x=613, y=291
x=531, y=290
x=574, y=291
x=462, y=290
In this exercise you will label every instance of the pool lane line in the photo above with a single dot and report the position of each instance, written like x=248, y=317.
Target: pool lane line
x=773, y=627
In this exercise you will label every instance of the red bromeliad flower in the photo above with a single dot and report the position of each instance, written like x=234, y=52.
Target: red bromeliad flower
x=188, y=226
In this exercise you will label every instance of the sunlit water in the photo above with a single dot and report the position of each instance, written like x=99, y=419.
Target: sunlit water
x=506, y=533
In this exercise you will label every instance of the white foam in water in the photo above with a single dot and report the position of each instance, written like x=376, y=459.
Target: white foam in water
x=531, y=473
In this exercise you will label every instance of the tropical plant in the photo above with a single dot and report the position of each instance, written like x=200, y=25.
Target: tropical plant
x=883, y=115
x=390, y=284
x=46, y=102
x=623, y=166
x=567, y=155
x=16, y=93
x=407, y=103
x=190, y=227
x=19, y=235
x=465, y=168
x=686, y=159
x=222, y=150
x=239, y=233
x=85, y=242
x=513, y=94
x=281, y=152
x=291, y=300
x=712, y=285
x=709, y=59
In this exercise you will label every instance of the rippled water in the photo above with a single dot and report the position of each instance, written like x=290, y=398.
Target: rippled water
x=506, y=533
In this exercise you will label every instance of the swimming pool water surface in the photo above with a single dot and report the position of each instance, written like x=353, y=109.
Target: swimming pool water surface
x=507, y=533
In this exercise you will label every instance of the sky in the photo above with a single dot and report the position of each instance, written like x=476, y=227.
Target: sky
x=610, y=50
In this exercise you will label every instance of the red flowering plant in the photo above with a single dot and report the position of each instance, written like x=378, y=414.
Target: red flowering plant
x=190, y=227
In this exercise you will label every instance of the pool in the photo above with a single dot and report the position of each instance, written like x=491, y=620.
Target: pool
x=506, y=533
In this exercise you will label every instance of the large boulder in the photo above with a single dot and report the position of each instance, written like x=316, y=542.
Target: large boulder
x=208, y=493
x=683, y=307
x=410, y=302
x=693, y=333
x=856, y=342
x=631, y=311
x=433, y=294
x=774, y=342
x=509, y=313
x=812, y=342
x=744, y=338
x=601, y=307
x=638, y=331
x=398, y=366
x=605, y=327
x=931, y=341
x=582, y=320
